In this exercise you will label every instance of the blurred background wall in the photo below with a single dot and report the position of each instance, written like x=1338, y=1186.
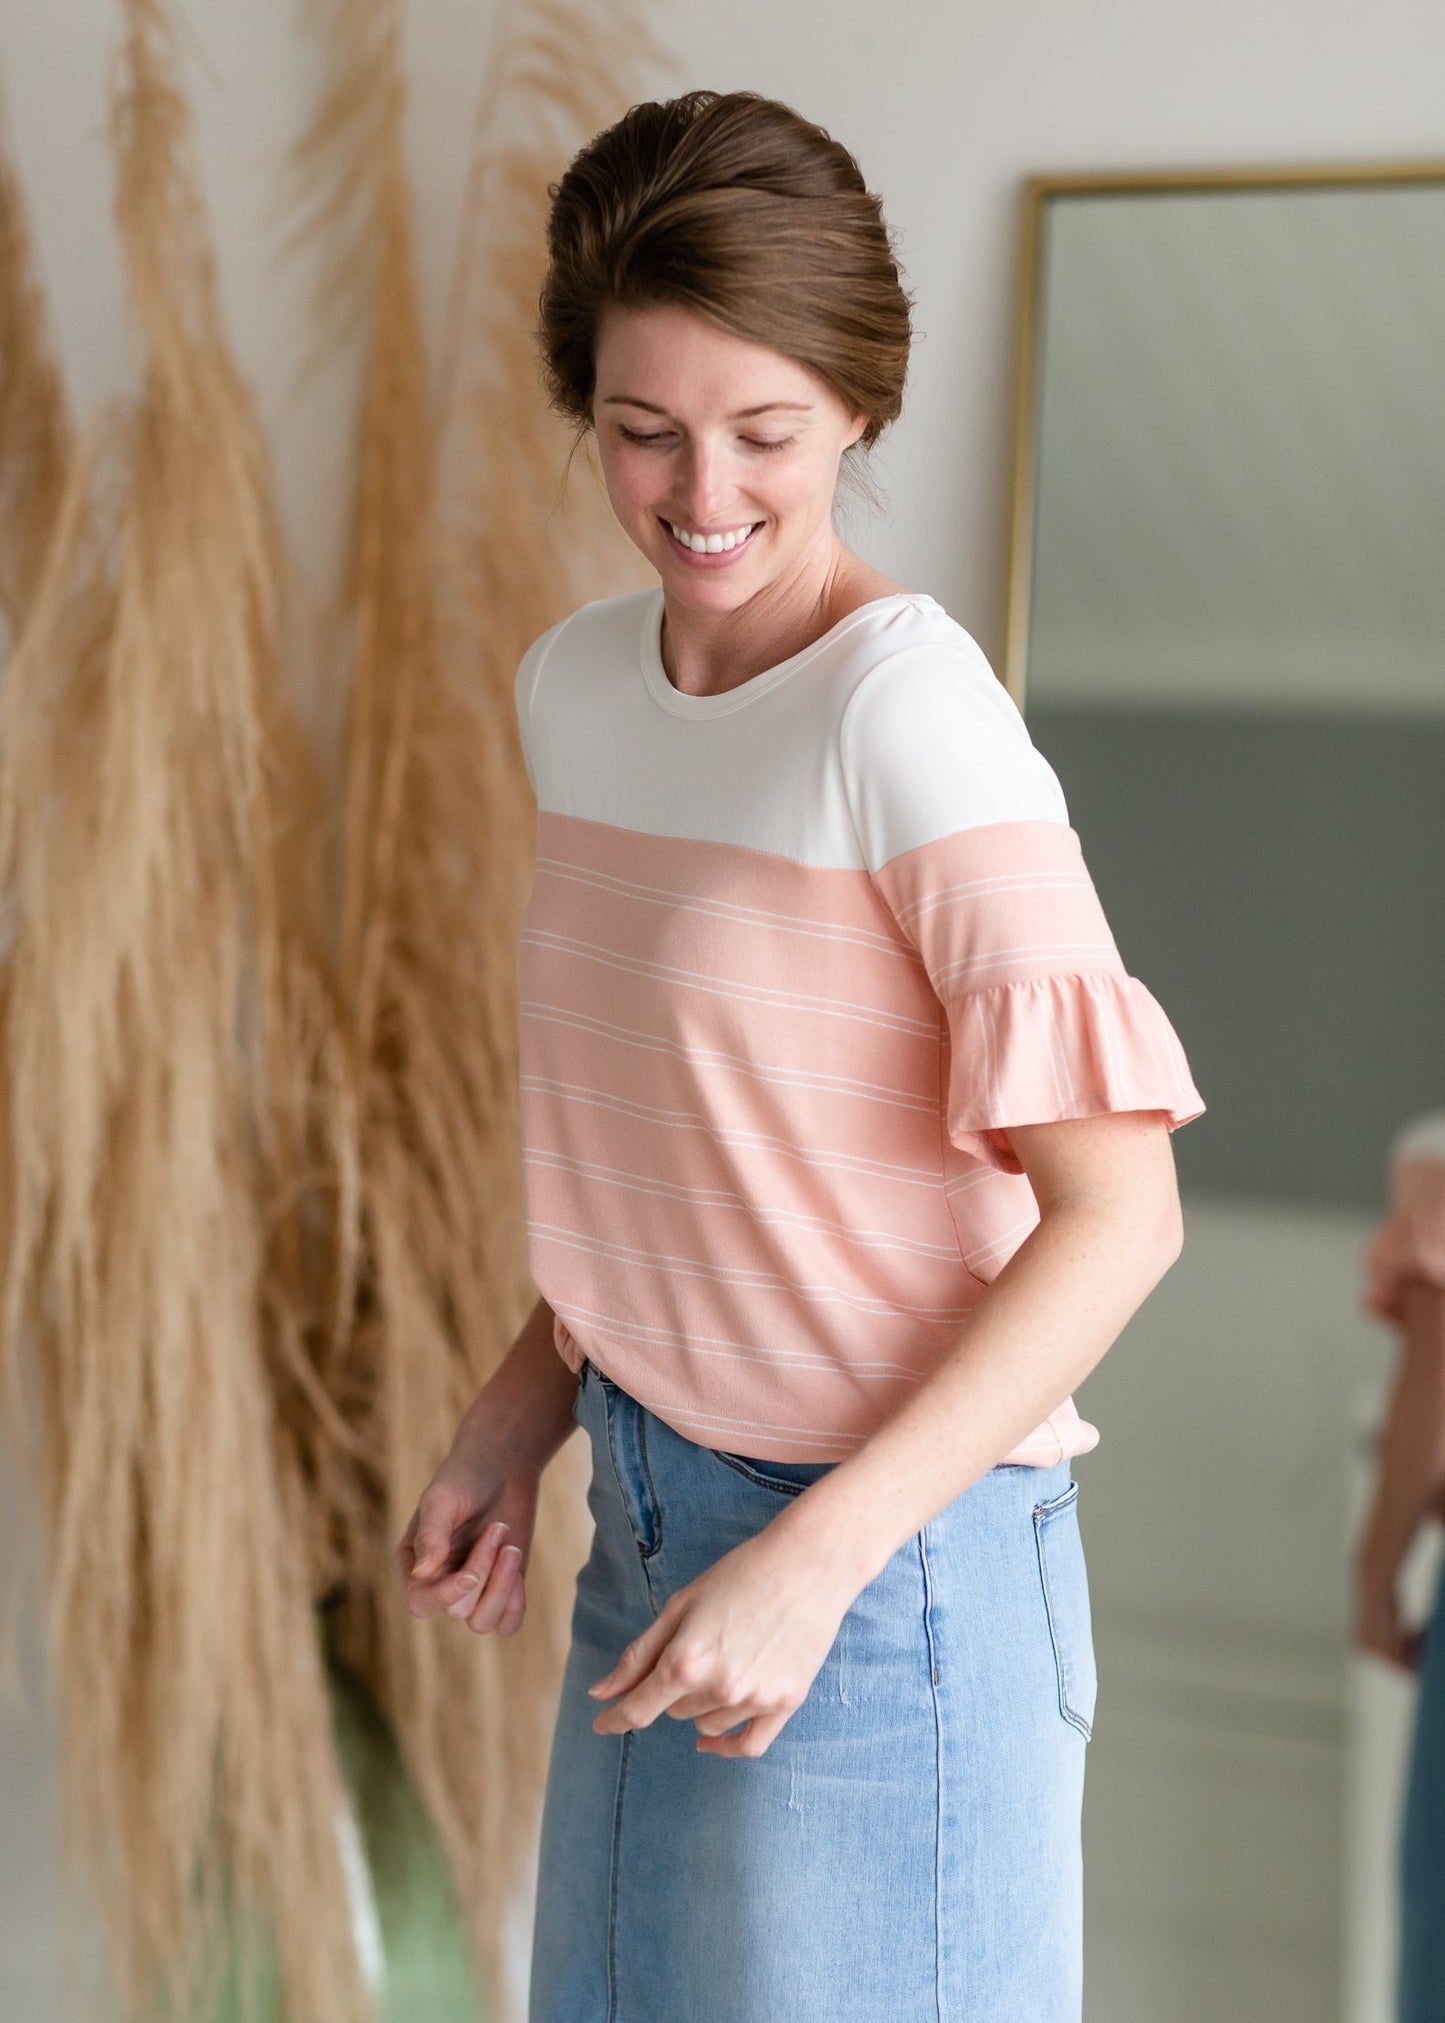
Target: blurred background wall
x=948, y=108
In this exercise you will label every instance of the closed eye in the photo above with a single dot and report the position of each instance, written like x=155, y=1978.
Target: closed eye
x=658, y=438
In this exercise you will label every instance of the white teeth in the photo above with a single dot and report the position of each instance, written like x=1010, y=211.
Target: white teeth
x=711, y=544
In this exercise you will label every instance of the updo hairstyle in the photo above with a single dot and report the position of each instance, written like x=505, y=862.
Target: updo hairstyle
x=735, y=207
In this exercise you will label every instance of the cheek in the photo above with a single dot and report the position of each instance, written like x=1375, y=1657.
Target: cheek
x=630, y=481
x=630, y=486
x=804, y=490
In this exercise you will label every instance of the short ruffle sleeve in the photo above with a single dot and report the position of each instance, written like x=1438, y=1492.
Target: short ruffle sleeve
x=1410, y=1241
x=969, y=846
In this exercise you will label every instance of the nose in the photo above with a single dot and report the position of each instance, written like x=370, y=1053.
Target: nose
x=706, y=484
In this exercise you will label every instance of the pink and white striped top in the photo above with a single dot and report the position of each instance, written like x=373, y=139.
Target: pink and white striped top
x=795, y=959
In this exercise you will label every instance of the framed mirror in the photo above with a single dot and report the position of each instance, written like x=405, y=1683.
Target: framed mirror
x=1227, y=632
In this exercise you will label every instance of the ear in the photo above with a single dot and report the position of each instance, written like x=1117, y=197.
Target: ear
x=859, y=424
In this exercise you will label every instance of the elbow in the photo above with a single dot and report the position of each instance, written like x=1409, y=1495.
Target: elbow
x=1167, y=1232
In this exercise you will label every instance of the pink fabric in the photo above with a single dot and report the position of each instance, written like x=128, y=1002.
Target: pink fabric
x=1057, y=1047
x=765, y=1107
x=1410, y=1242
x=1045, y=1023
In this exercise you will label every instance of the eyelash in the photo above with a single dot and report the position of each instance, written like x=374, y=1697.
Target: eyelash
x=632, y=436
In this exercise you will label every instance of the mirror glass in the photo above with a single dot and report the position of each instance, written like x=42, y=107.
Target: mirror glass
x=1229, y=636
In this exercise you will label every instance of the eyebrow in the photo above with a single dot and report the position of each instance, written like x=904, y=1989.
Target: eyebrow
x=743, y=413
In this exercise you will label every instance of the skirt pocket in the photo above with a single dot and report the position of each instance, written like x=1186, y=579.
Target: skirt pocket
x=784, y=1478
x=1066, y=1598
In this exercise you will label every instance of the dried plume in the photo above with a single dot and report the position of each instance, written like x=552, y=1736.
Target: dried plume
x=444, y=590
x=143, y=754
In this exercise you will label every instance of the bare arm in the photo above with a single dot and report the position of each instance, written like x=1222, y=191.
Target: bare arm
x=1109, y=1229
x=1410, y=1472
x=524, y=1409
x=465, y=1550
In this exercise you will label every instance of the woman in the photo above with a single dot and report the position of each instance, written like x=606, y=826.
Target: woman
x=847, y=1157
x=1405, y=1268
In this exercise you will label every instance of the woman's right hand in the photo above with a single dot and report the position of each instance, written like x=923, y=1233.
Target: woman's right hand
x=465, y=1550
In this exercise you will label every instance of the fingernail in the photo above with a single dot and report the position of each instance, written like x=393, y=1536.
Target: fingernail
x=468, y=1580
x=496, y=1533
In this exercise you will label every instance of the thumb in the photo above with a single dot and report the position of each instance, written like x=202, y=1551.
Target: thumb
x=428, y=1552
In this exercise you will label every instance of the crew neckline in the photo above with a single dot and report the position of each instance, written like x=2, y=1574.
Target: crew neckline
x=654, y=674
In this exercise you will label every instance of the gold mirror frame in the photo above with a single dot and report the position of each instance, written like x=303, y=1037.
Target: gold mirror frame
x=1039, y=190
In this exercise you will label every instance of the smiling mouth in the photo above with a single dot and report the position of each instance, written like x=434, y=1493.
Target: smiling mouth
x=727, y=541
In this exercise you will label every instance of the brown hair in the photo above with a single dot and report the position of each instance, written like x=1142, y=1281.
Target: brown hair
x=735, y=207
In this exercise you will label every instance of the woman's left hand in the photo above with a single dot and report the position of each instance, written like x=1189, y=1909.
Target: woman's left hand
x=743, y=1642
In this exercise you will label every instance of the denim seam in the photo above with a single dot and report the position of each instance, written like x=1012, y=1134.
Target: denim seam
x=623, y=1757
x=1043, y=1513
x=644, y=1553
x=751, y=1475
x=649, y=1551
x=937, y=1775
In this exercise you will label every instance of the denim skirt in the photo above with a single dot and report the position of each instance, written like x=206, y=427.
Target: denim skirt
x=1422, y=1844
x=907, y=1848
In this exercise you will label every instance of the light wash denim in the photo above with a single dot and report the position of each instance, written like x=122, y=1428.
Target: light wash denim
x=1422, y=1868
x=908, y=1848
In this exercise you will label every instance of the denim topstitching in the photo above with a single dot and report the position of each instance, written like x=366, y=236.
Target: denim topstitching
x=624, y=1755
x=1043, y=1514
x=937, y=1774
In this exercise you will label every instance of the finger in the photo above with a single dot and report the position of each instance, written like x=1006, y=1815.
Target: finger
x=433, y=1544
x=402, y=1555
x=754, y=1739
x=461, y=1591
x=637, y=1660
x=649, y=1698
x=717, y=1720
x=498, y=1591
x=438, y=1516
x=693, y=1706
x=512, y=1614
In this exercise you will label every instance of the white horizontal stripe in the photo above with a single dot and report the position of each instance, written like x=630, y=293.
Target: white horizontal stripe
x=720, y=1274
x=946, y=895
x=1040, y=951
x=985, y=1251
x=726, y=909
x=850, y=1442
x=978, y=1179
x=720, y=986
x=753, y=1141
x=759, y=1071
x=718, y=1197
x=729, y=1351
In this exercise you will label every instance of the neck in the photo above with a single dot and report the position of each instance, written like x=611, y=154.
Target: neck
x=709, y=652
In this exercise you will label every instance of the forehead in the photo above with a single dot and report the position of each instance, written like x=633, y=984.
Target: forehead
x=671, y=359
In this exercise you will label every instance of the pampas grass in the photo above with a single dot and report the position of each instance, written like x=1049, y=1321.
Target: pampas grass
x=134, y=777
x=262, y=1213
x=431, y=1283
